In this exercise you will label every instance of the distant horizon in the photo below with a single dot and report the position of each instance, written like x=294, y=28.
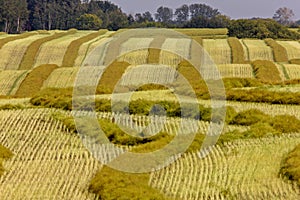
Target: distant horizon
x=235, y=9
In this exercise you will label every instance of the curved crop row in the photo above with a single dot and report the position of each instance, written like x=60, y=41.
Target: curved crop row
x=52, y=52
x=10, y=81
x=219, y=50
x=72, y=50
x=237, y=51
x=34, y=80
x=6, y=40
x=32, y=51
x=280, y=53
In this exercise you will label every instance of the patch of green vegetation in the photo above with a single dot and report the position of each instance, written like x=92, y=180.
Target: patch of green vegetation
x=230, y=83
x=111, y=184
x=263, y=96
x=290, y=167
x=5, y=154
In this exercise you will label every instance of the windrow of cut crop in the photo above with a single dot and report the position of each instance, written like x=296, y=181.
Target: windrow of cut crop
x=33, y=49
x=72, y=51
x=266, y=71
x=155, y=50
x=216, y=33
x=237, y=51
x=13, y=52
x=279, y=52
x=111, y=77
x=18, y=37
x=34, y=81
x=295, y=61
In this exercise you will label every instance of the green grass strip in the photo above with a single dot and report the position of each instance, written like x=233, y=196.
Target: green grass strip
x=6, y=40
x=237, y=51
x=29, y=57
x=266, y=71
x=34, y=81
x=72, y=51
x=279, y=52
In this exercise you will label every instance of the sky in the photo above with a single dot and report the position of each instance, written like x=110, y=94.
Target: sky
x=233, y=8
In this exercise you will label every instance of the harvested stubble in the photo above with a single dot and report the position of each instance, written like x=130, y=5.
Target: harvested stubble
x=293, y=71
x=86, y=48
x=219, y=50
x=236, y=71
x=258, y=50
x=10, y=81
x=292, y=48
x=62, y=78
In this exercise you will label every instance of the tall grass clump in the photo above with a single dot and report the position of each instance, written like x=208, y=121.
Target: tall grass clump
x=266, y=71
x=72, y=51
x=5, y=154
x=279, y=52
x=237, y=51
x=33, y=49
x=111, y=184
x=35, y=80
x=290, y=167
x=18, y=37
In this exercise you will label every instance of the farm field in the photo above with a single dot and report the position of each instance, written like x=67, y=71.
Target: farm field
x=51, y=159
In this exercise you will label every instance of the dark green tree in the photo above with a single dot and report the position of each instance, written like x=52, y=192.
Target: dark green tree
x=164, y=14
x=89, y=22
x=182, y=14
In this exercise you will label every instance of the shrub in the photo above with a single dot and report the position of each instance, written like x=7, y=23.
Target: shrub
x=285, y=124
x=260, y=129
x=279, y=52
x=263, y=96
x=112, y=184
x=237, y=51
x=33, y=82
x=249, y=117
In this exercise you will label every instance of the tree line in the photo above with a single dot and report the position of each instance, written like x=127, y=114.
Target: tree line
x=27, y=15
